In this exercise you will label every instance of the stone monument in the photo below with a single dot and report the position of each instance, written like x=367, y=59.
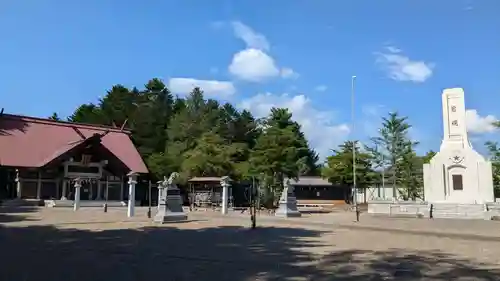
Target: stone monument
x=288, y=203
x=457, y=173
x=225, y=182
x=170, y=201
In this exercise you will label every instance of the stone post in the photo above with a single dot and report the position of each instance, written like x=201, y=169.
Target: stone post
x=132, y=181
x=39, y=186
x=18, y=185
x=224, y=182
x=107, y=190
x=91, y=190
x=99, y=190
x=159, y=186
x=78, y=186
x=64, y=185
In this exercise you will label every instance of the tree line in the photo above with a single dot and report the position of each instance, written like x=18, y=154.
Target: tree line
x=196, y=136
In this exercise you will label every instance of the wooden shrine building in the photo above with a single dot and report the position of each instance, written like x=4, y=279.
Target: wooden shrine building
x=39, y=158
x=318, y=191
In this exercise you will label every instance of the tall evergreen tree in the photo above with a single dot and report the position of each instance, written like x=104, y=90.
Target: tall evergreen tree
x=119, y=105
x=308, y=158
x=88, y=113
x=154, y=109
x=390, y=148
x=339, y=170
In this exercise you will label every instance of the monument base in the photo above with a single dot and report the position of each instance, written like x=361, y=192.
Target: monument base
x=165, y=217
x=458, y=211
x=287, y=210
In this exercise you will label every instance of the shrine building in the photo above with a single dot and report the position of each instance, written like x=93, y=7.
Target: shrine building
x=40, y=158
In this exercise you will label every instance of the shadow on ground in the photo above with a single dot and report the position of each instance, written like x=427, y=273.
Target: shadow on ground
x=15, y=214
x=213, y=253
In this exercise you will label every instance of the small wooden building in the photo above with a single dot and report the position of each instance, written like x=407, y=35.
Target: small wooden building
x=206, y=192
x=40, y=157
x=318, y=191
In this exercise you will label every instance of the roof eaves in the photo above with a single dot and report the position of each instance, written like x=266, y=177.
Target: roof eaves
x=66, y=123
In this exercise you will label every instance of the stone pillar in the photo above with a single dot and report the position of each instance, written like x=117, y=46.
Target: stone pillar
x=39, y=186
x=18, y=185
x=132, y=181
x=91, y=190
x=159, y=195
x=99, y=190
x=107, y=189
x=225, y=188
x=78, y=186
x=64, y=186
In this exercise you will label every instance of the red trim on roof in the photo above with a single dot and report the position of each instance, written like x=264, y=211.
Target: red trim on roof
x=30, y=142
x=65, y=123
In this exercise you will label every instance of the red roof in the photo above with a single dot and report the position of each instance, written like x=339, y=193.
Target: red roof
x=33, y=142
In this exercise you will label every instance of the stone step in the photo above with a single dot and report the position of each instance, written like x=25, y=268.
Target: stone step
x=459, y=211
x=85, y=203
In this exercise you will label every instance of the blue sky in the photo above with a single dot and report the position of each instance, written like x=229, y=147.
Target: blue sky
x=56, y=55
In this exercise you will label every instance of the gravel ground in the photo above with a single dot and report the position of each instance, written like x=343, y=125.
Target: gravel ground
x=58, y=244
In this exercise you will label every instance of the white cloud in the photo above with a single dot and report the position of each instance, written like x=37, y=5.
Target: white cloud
x=319, y=126
x=401, y=68
x=478, y=124
x=251, y=38
x=321, y=88
x=289, y=73
x=211, y=88
x=253, y=65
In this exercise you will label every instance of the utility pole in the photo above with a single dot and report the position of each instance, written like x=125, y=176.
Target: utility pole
x=355, y=189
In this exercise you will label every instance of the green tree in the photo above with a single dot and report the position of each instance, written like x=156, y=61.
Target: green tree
x=273, y=159
x=409, y=170
x=494, y=154
x=212, y=156
x=428, y=156
x=338, y=167
x=55, y=117
x=119, y=105
x=307, y=158
x=152, y=116
x=392, y=148
x=190, y=121
x=88, y=113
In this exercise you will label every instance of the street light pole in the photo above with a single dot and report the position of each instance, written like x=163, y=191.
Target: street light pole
x=355, y=189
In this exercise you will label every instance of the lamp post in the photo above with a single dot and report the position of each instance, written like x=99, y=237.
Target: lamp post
x=355, y=189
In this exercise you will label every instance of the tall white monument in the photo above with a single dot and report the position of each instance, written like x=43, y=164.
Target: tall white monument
x=457, y=173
